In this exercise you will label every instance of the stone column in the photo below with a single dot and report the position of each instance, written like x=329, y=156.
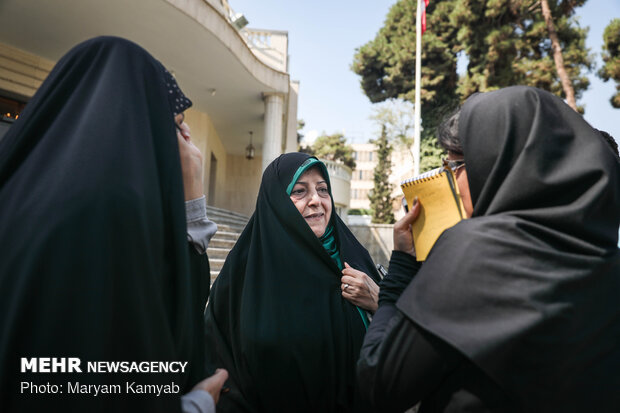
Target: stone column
x=272, y=144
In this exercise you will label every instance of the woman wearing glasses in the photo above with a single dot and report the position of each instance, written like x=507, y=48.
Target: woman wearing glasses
x=515, y=309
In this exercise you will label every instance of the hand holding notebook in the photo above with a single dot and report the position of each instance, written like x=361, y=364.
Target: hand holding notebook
x=441, y=207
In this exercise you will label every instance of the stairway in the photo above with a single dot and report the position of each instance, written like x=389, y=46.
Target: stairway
x=229, y=227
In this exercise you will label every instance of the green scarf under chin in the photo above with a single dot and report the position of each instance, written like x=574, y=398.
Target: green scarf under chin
x=329, y=243
x=328, y=240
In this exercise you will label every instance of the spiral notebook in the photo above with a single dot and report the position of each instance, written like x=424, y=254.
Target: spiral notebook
x=441, y=207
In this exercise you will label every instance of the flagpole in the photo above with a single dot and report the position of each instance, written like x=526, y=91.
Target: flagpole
x=418, y=77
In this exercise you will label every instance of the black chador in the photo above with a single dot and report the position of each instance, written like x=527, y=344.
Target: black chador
x=95, y=263
x=528, y=288
x=276, y=318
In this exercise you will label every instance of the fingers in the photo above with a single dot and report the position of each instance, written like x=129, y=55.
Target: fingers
x=404, y=222
x=184, y=131
x=348, y=270
x=214, y=383
x=220, y=377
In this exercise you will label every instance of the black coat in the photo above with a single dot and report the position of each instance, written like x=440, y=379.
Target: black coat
x=94, y=261
x=528, y=288
x=276, y=318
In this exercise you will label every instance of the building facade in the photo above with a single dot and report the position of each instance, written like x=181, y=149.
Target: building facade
x=362, y=177
x=365, y=155
x=237, y=77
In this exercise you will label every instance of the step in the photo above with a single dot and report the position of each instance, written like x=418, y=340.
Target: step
x=226, y=235
x=221, y=243
x=229, y=227
x=214, y=275
x=215, y=252
x=227, y=216
x=227, y=219
x=216, y=264
x=219, y=211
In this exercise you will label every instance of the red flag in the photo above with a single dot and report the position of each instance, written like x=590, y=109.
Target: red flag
x=423, y=6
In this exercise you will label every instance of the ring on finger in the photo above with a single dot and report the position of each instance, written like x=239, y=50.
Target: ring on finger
x=346, y=286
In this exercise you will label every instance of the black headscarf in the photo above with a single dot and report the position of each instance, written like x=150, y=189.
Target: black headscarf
x=529, y=287
x=95, y=259
x=276, y=317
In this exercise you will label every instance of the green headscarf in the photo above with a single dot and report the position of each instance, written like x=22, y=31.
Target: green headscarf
x=327, y=239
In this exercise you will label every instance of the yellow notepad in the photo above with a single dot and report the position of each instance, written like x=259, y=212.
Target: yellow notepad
x=441, y=204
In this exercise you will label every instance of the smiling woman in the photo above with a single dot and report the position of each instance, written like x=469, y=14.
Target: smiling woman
x=311, y=198
x=296, y=281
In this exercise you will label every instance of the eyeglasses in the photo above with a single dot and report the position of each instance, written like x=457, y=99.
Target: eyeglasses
x=455, y=164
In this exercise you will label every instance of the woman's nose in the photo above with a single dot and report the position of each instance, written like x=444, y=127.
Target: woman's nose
x=314, y=198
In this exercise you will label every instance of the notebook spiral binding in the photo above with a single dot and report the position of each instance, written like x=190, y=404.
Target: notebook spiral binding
x=427, y=176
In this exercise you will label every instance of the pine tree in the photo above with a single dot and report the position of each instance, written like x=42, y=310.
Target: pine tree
x=505, y=42
x=387, y=63
x=381, y=195
x=611, y=57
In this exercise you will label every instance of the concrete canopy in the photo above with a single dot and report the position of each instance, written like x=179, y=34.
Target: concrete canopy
x=190, y=37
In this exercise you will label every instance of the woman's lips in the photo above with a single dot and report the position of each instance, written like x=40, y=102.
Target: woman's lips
x=318, y=215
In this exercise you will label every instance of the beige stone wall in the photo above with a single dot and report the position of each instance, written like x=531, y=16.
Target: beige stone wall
x=20, y=72
x=378, y=239
x=206, y=138
x=243, y=181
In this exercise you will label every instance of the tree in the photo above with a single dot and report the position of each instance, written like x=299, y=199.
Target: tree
x=381, y=195
x=611, y=58
x=386, y=64
x=396, y=116
x=505, y=42
x=333, y=148
x=569, y=92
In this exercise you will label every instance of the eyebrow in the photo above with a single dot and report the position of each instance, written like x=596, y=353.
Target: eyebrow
x=306, y=183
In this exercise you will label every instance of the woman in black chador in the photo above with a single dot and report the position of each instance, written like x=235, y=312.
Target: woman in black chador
x=516, y=308
x=286, y=316
x=95, y=260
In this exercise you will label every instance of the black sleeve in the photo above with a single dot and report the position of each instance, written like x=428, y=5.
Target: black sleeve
x=399, y=364
x=401, y=270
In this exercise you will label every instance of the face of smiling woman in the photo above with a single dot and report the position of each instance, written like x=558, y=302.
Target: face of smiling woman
x=311, y=198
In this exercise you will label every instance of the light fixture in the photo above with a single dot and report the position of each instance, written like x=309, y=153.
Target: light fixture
x=249, y=150
x=239, y=21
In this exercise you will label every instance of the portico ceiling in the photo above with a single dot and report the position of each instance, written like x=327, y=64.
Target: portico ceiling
x=188, y=36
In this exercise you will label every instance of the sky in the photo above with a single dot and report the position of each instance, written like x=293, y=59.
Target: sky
x=323, y=36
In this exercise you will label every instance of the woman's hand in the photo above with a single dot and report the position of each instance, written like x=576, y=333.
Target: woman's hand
x=191, y=163
x=403, y=239
x=359, y=289
x=213, y=385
